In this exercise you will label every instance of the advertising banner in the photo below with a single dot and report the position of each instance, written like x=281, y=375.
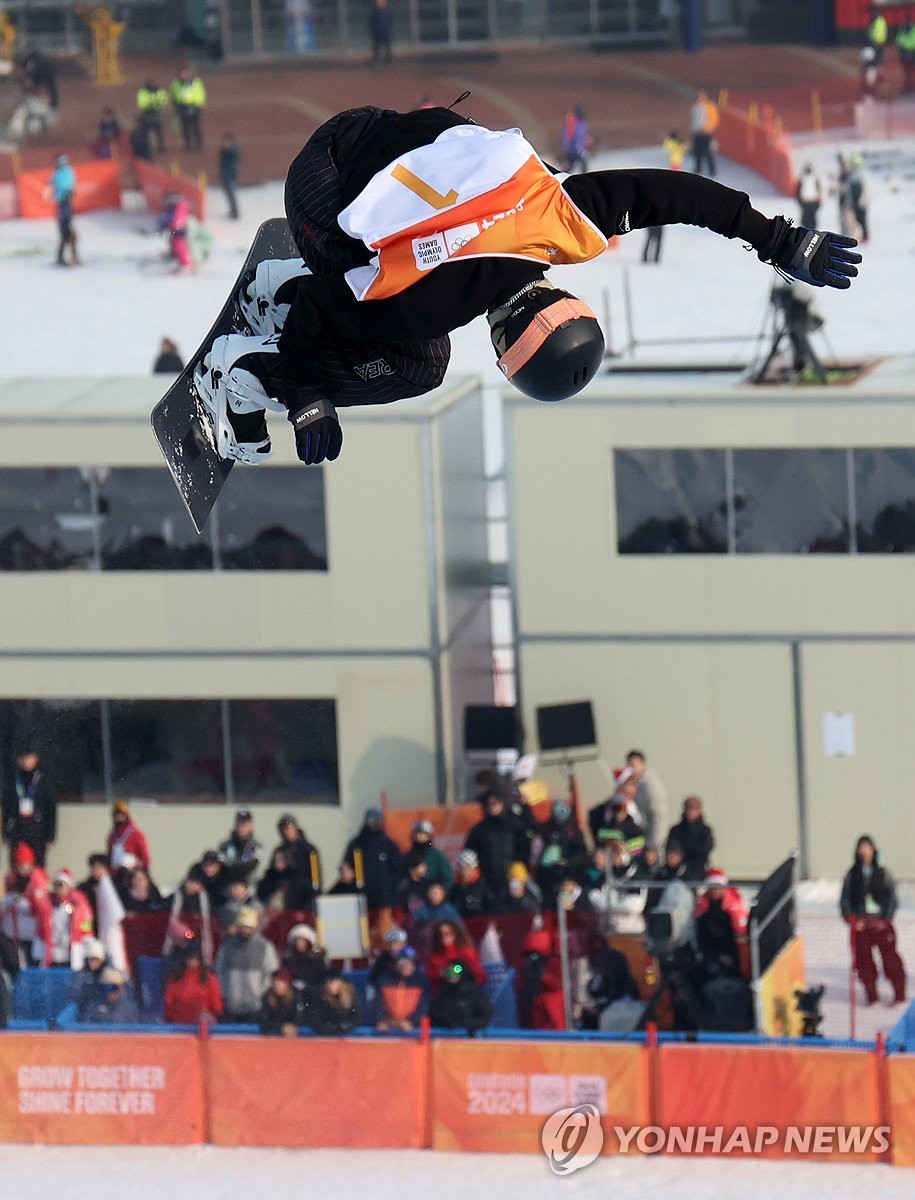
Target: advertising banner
x=100, y=1090
x=98, y=185
x=902, y=1107
x=776, y=1102
x=500, y=1095
x=779, y=1013
x=315, y=1092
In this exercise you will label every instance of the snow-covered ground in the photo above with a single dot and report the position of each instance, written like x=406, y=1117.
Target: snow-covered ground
x=208, y=1173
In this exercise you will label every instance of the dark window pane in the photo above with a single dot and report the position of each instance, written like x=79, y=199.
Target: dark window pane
x=46, y=519
x=167, y=749
x=885, y=500
x=791, y=501
x=145, y=526
x=284, y=750
x=68, y=736
x=670, y=501
x=272, y=519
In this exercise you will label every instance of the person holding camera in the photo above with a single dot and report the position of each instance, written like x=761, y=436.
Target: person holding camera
x=868, y=903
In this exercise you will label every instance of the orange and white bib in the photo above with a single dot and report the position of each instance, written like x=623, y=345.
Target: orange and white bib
x=472, y=193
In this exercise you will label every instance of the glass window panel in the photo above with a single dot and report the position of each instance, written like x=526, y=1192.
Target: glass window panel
x=68, y=736
x=284, y=750
x=46, y=519
x=670, y=501
x=167, y=750
x=272, y=519
x=145, y=526
x=791, y=501
x=885, y=500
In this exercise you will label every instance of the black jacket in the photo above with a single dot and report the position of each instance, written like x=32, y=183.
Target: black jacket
x=325, y=314
x=461, y=1005
x=30, y=810
x=697, y=841
x=382, y=863
x=498, y=840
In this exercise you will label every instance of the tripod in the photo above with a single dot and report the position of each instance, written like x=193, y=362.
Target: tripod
x=793, y=319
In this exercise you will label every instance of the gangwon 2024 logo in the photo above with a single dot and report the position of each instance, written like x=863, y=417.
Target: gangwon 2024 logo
x=572, y=1138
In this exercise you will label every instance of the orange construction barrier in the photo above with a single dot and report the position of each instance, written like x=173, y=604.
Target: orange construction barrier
x=316, y=1092
x=761, y=146
x=902, y=1107
x=100, y=1090
x=497, y=1095
x=783, y=1088
x=156, y=183
x=97, y=186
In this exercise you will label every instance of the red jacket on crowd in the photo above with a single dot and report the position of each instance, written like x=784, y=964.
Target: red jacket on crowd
x=127, y=839
x=733, y=905
x=439, y=959
x=186, y=998
x=27, y=910
x=80, y=925
x=543, y=1004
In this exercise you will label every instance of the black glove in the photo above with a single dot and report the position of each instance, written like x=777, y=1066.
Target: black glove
x=318, y=435
x=812, y=255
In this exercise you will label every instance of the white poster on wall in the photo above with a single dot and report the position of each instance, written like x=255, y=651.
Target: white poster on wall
x=838, y=734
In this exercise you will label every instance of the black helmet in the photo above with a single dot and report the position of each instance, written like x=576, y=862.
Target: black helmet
x=549, y=342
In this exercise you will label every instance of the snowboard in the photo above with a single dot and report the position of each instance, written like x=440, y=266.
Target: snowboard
x=181, y=422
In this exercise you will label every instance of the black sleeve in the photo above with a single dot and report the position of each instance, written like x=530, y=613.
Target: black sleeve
x=618, y=201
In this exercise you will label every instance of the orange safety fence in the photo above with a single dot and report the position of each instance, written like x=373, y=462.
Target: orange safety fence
x=97, y=186
x=755, y=139
x=485, y=1094
x=100, y=1090
x=780, y=1087
x=311, y=1092
x=497, y=1095
x=156, y=183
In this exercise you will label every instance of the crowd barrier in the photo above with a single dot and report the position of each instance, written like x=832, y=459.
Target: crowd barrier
x=756, y=139
x=835, y=1102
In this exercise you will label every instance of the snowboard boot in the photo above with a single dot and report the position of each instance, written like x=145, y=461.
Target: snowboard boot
x=265, y=298
x=230, y=383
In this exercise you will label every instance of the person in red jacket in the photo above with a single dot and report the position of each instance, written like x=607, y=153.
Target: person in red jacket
x=193, y=993
x=451, y=943
x=542, y=1004
x=71, y=921
x=26, y=908
x=125, y=838
x=718, y=890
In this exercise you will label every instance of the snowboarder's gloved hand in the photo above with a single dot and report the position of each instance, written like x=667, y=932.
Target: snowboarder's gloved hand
x=814, y=256
x=318, y=435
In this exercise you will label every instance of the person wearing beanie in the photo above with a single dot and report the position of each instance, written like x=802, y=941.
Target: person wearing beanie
x=868, y=903
x=25, y=908
x=29, y=807
x=71, y=921
x=394, y=940
x=305, y=959
x=541, y=1004
x=520, y=894
x=125, y=838
x=241, y=849
x=382, y=862
x=303, y=859
x=245, y=963
x=563, y=850
x=460, y=1002
x=192, y=992
x=85, y=983
x=498, y=839
x=283, y=1009
x=113, y=1002
x=470, y=893
x=402, y=995
x=695, y=837
x=721, y=918
x=438, y=869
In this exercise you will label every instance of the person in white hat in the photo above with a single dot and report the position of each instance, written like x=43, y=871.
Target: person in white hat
x=71, y=921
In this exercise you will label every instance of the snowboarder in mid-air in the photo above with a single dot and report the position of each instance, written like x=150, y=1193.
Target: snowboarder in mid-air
x=410, y=225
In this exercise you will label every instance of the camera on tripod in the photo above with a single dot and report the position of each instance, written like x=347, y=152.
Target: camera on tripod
x=807, y=1004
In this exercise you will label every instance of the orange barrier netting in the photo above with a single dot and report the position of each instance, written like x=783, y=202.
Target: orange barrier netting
x=101, y=1090
x=453, y=1094
x=754, y=139
x=98, y=185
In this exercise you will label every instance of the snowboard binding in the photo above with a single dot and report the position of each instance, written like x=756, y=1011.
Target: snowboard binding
x=265, y=298
x=234, y=398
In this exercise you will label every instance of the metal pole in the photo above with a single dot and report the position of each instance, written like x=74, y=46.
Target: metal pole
x=563, y=931
x=803, y=822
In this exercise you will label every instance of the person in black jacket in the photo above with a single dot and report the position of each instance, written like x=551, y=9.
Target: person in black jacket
x=460, y=1003
x=382, y=862
x=868, y=903
x=413, y=224
x=563, y=850
x=498, y=840
x=695, y=838
x=29, y=807
x=283, y=1009
x=470, y=894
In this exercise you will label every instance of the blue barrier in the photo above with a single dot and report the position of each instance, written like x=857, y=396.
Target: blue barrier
x=39, y=993
x=902, y=1035
x=500, y=988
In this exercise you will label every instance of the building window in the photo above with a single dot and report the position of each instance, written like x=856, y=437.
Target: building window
x=131, y=519
x=179, y=751
x=671, y=501
x=791, y=502
x=884, y=482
